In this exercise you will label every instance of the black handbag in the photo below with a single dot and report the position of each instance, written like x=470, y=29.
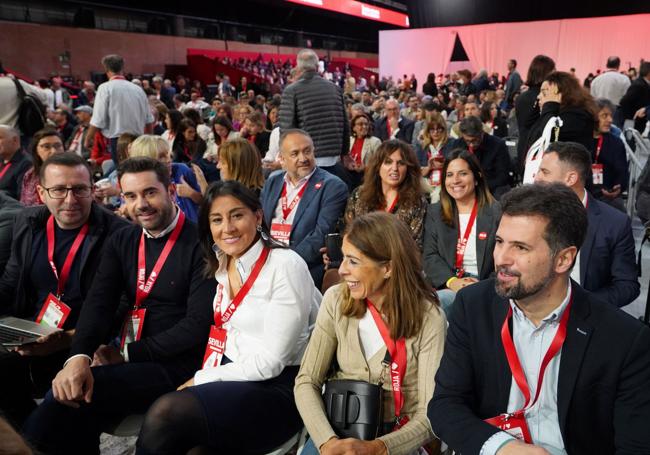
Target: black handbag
x=355, y=409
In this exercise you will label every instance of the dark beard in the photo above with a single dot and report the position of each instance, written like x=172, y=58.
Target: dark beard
x=520, y=290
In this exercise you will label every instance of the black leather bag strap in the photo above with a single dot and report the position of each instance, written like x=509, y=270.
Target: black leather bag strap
x=19, y=89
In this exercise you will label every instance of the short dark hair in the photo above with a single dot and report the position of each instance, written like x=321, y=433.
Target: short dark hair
x=66, y=159
x=471, y=126
x=603, y=103
x=575, y=155
x=514, y=62
x=139, y=164
x=113, y=63
x=555, y=202
x=613, y=62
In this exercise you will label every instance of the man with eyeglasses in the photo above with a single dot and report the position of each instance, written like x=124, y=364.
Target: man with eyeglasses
x=13, y=162
x=393, y=125
x=55, y=253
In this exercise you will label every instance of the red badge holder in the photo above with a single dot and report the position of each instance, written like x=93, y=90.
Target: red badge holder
x=54, y=312
x=597, y=174
x=281, y=232
x=513, y=424
x=215, y=348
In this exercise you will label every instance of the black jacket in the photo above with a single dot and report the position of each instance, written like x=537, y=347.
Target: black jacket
x=527, y=112
x=604, y=378
x=405, y=132
x=316, y=106
x=9, y=208
x=16, y=298
x=578, y=125
x=439, y=244
x=636, y=97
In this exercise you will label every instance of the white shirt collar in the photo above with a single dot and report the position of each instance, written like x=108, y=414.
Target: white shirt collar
x=165, y=231
x=244, y=264
x=584, y=199
x=301, y=181
x=554, y=316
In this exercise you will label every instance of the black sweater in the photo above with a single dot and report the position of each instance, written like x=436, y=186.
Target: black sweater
x=178, y=309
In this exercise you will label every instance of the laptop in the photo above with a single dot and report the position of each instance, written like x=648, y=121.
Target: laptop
x=16, y=332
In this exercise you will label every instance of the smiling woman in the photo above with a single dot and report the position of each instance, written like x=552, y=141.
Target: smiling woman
x=459, y=230
x=264, y=307
x=384, y=305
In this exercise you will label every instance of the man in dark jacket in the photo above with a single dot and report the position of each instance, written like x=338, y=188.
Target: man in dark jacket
x=393, y=125
x=490, y=151
x=158, y=264
x=9, y=208
x=316, y=106
x=636, y=97
x=28, y=281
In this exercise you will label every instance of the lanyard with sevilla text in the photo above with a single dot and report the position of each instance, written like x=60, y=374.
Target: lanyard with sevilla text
x=4, y=170
x=217, y=341
x=54, y=312
x=286, y=209
x=461, y=244
x=515, y=422
x=397, y=351
x=132, y=330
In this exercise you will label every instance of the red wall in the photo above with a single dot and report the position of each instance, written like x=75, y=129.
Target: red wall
x=33, y=49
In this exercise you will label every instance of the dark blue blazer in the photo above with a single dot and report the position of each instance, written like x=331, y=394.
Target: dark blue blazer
x=607, y=261
x=603, y=387
x=316, y=215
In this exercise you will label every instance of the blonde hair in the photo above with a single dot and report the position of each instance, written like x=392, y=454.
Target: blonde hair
x=243, y=161
x=149, y=145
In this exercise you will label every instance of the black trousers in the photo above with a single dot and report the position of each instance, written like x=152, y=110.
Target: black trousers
x=119, y=390
x=24, y=378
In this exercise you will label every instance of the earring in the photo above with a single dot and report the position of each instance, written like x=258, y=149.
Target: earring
x=215, y=248
x=264, y=235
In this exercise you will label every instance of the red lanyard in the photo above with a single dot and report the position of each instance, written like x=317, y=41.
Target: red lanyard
x=599, y=145
x=357, y=148
x=4, y=170
x=397, y=351
x=388, y=128
x=461, y=244
x=219, y=318
x=471, y=149
x=118, y=78
x=67, y=264
x=143, y=289
x=392, y=206
x=287, y=209
x=513, y=358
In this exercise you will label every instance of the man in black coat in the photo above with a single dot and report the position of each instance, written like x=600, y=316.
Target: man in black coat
x=28, y=277
x=636, y=97
x=393, y=125
x=595, y=390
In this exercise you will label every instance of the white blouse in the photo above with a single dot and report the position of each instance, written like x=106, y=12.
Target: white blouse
x=271, y=327
x=470, y=261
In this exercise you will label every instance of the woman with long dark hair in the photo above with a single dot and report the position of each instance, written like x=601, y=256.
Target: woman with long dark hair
x=392, y=184
x=459, y=231
x=561, y=95
x=241, y=400
x=45, y=143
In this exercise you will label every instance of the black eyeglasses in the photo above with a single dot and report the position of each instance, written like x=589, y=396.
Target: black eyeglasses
x=61, y=192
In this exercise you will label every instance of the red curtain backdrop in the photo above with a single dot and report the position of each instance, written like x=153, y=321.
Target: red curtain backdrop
x=583, y=44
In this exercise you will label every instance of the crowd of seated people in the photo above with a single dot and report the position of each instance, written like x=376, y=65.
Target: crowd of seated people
x=184, y=252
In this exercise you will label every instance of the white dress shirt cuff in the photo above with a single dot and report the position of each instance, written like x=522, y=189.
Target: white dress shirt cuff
x=90, y=360
x=495, y=442
x=125, y=354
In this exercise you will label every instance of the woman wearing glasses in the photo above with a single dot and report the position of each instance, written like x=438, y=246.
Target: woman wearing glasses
x=430, y=153
x=45, y=143
x=362, y=145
